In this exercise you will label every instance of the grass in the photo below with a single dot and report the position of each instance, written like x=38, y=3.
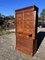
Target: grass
x=4, y=32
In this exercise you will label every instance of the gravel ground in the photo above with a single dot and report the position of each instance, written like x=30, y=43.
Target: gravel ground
x=8, y=51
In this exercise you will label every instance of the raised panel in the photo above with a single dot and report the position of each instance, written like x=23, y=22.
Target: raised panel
x=28, y=22
x=19, y=21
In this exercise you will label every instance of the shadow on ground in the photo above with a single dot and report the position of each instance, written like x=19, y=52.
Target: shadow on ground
x=40, y=37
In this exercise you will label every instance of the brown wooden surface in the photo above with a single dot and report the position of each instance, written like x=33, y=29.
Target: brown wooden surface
x=26, y=30
x=25, y=20
x=25, y=44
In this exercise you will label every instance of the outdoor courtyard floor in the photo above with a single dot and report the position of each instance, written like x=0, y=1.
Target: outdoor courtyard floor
x=8, y=51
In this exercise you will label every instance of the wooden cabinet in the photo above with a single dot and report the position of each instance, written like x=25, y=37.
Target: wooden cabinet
x=26, y=29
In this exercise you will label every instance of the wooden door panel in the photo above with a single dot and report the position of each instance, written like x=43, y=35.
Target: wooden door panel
x=19, y=22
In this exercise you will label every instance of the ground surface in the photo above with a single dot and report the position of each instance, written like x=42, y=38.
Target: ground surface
x=8, y=51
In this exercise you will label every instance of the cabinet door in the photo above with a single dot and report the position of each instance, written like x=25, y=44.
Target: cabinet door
x=19, y=22
x=28, y=22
